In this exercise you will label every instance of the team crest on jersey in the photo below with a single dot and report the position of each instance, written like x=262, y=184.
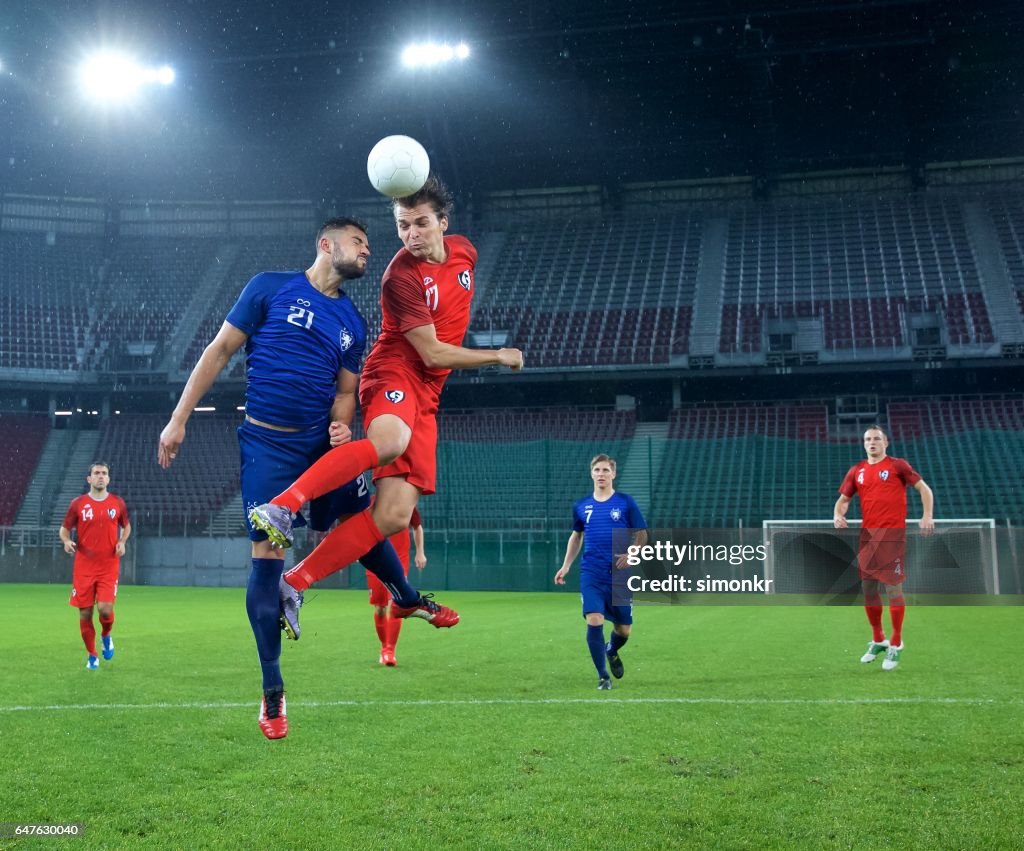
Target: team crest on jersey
x=345, y=339
x=466, y=280
x=111, y=513
x=615, y=514
x=395, y=396
x=884, y=475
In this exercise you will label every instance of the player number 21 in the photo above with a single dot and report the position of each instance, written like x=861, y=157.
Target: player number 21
x=300, y=316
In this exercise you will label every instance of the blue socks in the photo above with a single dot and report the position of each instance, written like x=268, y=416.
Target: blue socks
x=595, y=643
x=264, y=609
x=617, y=642
x=383, y=562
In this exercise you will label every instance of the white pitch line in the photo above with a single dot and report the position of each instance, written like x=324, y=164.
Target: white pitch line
x=554, y=701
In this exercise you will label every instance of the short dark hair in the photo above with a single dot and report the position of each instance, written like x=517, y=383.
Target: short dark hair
x=877, y=427
x=433, y=192
x=96, y=464
x=597, y=459
x=339, y=223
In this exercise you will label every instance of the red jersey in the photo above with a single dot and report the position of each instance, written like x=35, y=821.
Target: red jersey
x=98, y=522
x=883, y=491
x=414, y=293
x=415, y=520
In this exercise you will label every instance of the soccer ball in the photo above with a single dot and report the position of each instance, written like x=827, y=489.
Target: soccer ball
x=398, y=166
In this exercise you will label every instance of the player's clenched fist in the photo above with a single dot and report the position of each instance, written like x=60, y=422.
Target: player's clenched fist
x=512, y=358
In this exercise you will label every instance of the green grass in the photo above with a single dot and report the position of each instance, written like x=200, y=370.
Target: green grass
x=733, y=728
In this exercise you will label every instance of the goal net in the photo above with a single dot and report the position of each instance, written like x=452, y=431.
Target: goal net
x=812, y=557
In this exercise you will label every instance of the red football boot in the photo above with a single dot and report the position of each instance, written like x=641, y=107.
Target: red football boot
x=428, y=610
x=387, y=657
x=273, y=714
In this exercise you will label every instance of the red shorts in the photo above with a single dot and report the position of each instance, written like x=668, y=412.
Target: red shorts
x=883, y=555
x=92, y=586
x=392, y=391
x=379, y=595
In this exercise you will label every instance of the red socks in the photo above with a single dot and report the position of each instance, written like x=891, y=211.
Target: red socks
x=88, y=636
x=333, y=469
x=896, y=613
x=381, y=624
x=875, y=619
x=106, y=625
x=394, y=627
x=342, y=546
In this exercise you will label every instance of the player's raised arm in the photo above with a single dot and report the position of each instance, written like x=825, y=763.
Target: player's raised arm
x=572, y=549
x=213, y=360
x=436, y=354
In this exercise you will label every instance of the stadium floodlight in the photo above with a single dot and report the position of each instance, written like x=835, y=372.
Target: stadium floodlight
x=117, y=78
x=429, y=54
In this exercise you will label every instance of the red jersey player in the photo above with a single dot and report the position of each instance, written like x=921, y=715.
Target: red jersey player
x=426, y=294
x=387, y=627
x=882, y=482
x=100, y=521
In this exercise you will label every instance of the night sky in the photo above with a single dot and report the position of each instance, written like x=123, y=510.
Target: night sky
x=284, y=99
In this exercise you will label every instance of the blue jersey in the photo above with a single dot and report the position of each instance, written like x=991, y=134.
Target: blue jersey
x=299, y=339
x=599, y=522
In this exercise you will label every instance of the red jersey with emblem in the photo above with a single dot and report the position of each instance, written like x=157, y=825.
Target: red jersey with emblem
x=882, y=488
x=98, y=523
x=414, y=293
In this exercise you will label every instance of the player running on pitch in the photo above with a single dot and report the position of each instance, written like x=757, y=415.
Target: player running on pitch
x=882, y=482
x=594, y=521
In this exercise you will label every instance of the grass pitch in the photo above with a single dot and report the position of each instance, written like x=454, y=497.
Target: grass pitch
x=734, y=727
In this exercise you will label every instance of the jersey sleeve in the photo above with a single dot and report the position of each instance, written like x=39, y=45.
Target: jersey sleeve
x=577, y=520
x=849, y=486
x=908, y=474
x=352, y=360
x=634, y=516
x=250, y=310
x=71, y=517
x=415, y=521
x=402, y=298
x=123, y=519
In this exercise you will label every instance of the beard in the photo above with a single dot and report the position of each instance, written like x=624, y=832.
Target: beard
x=349, y=269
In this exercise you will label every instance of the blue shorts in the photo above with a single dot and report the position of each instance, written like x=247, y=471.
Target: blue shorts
x=599, y=596
x=272, y=460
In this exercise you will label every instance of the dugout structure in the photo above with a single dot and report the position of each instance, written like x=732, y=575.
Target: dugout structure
x=813, y=557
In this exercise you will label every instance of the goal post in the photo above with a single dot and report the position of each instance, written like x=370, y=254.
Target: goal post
x=811, y=556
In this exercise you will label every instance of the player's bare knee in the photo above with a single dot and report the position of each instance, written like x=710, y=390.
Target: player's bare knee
x=390, y=518
x=263, y=549
x=594, y=619
x=623, y=629
x=380, y=611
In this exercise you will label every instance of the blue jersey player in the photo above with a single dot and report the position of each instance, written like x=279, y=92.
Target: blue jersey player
x=597, y=521
x=304, y=340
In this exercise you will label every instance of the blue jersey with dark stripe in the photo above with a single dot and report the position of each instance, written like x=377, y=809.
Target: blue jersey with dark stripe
x=599, y=522
x=299, y=339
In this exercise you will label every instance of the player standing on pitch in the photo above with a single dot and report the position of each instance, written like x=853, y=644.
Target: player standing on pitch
x=882, y=482
x=388, y=628
x=426, y=294
x=594, y=521
x=100, y=520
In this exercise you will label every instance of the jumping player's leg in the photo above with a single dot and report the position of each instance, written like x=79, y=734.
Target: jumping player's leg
x=386, y=440
x=897, y=610
x=358, y=535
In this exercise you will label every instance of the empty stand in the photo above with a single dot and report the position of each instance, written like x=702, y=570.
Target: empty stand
x=22, y=437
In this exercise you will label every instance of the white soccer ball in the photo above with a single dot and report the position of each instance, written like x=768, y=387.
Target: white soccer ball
x=398, y=166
